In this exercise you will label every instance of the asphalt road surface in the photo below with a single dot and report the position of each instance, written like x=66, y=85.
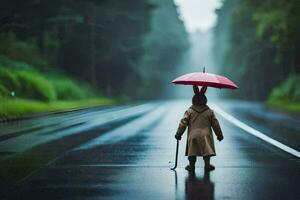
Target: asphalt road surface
x=126, y=152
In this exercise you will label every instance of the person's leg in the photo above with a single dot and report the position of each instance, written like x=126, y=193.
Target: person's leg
x=206, y=160
x=192, y=161
x=207, y=164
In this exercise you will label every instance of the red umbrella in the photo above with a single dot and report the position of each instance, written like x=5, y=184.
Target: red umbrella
x=205, y=79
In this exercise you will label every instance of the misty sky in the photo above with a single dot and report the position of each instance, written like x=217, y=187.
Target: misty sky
x=198, y=14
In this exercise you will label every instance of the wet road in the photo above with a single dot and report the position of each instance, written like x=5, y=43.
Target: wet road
x=126, y=153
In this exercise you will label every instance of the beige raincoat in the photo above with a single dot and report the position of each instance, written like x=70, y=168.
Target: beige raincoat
x=200, y=120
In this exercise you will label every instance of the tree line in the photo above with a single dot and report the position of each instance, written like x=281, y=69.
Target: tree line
x=120, y=47
x=257, y=44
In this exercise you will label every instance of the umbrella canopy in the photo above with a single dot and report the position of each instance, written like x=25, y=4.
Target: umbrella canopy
x=205, y=79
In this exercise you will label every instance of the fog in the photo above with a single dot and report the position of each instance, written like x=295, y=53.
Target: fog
x=110, y=50
x=197, y=57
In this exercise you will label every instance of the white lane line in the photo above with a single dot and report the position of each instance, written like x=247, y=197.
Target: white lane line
x=255, y=132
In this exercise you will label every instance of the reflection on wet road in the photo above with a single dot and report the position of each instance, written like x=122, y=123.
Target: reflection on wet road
x=199, y=187
x=131, y=159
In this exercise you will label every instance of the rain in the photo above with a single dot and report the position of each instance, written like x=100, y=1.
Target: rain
x=149, y=99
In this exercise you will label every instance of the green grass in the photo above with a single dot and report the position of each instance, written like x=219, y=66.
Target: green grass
x=19, y=107
x=286, y=96
x=27, y=84
x=284, y=105
x=26, y=91
x=68, y=89
x=34, y=92
x=30, y=84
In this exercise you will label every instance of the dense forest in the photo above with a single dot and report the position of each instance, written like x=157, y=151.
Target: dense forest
x=257, y=45
x=116, y=48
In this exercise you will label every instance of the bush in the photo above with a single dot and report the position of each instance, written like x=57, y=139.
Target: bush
x=289, y=90
x=4, y=92
x=67, y=89
x=28, y=84
x=9, y=79
x=35, y=86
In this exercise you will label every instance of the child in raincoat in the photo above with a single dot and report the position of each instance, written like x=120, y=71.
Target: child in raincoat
x=200, y=120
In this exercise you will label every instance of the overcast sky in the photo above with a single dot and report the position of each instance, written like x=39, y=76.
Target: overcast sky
x=198, y=14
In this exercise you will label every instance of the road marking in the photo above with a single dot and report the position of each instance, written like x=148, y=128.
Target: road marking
x=255, y=132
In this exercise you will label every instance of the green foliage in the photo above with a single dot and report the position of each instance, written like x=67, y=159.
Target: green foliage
x=4, y=92
x=20, y=50
x=20, y=107
x=284, y=105
x=28, y=84
x=274, y=20
x=4, y=61
x=257, y=38
x=277, y=21
x=35, y=86
x=66, y=89
x=9, y=79
x=118, y=47
x=288, y=90
x=172, y=42
x=50, y=42
x=31, y=84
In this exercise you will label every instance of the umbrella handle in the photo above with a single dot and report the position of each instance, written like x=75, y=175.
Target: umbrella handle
x=176, y=156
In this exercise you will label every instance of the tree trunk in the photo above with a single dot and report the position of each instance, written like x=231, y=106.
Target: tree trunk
x=92, y=23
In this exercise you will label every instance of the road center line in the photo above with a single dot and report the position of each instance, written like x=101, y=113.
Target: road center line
x=255, y=132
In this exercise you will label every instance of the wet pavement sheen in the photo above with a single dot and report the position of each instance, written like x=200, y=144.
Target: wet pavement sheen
x=135, y=161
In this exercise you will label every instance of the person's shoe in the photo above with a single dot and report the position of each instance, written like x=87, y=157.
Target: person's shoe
x=209, y=167
x=190, y=168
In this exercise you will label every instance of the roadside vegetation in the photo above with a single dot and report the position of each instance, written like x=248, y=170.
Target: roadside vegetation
x=56, y=55
x=287, y=95
x=257, y=44
x=28, y=84
x=29, y=91
x=19, y=107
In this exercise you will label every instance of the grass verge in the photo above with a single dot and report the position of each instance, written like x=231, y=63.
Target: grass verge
x=11, y=108
x=284, y=105
x=286, y=96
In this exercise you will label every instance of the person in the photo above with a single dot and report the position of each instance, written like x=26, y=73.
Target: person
x=200, y=120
